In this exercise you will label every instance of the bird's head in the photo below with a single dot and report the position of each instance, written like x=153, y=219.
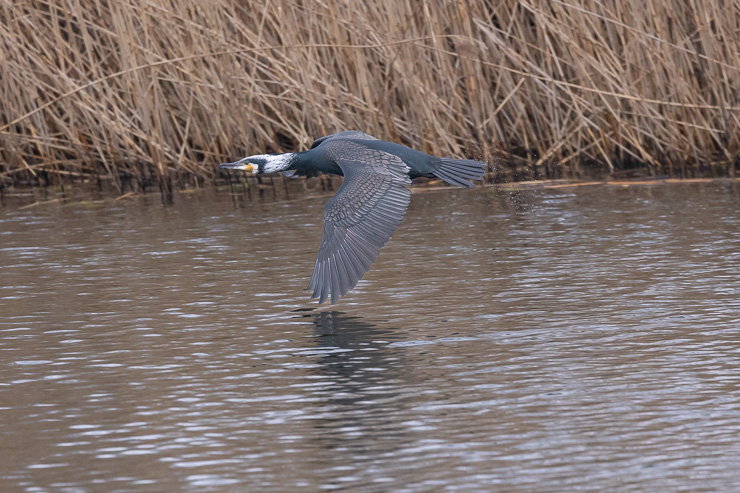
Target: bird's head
x=261, y=163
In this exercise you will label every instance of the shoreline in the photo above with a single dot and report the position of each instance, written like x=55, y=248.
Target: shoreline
x=23, y=198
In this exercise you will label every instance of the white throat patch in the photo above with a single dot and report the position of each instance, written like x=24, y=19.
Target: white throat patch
x=277, y=162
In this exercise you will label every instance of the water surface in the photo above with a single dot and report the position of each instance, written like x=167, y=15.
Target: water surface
x=582, y=339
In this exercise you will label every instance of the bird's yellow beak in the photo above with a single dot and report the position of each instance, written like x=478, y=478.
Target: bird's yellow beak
x=241, y=165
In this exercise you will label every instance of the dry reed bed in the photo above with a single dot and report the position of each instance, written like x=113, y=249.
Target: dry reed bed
x=166, y=89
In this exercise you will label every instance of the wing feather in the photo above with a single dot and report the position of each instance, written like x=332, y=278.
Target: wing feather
x=353, y=263
x=359, y=220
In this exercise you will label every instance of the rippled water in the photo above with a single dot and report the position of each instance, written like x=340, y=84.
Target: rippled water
x=554, y=340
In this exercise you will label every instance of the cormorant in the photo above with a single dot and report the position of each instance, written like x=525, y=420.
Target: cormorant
x=370, y=204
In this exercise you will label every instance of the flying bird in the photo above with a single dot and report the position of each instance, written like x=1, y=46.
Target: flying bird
x=370, y=203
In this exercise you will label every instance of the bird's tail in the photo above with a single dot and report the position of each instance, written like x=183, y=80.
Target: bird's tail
x=459, y=172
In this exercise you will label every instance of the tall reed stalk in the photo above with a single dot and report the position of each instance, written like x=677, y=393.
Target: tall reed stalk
x=163, y=90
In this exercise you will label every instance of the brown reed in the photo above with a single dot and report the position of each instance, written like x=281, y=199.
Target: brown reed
x=158, y=93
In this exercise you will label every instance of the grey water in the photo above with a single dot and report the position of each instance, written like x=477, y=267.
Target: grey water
x=574, y=339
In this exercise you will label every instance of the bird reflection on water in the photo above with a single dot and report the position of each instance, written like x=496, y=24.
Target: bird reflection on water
x=349, y=335
x=368, y=388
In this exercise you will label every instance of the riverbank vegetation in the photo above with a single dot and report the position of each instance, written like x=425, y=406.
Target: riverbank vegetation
x=158, y=93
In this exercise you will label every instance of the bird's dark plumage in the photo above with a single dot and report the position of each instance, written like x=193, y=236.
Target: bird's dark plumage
x=370, y=204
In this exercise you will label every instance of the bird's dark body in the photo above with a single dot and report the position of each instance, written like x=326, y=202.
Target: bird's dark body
x=370, y=204
x=322, y=158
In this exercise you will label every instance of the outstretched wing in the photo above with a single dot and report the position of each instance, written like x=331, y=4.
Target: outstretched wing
x=358, y=220
x=347, y=134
